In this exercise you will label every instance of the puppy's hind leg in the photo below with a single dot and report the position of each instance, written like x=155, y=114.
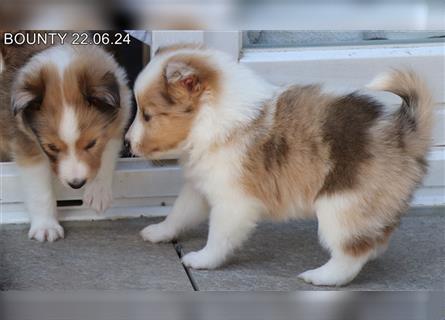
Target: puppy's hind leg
x=189, y=210
x=382, y=243
x=339, y=228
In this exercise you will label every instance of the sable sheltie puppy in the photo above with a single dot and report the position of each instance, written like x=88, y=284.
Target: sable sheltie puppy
x=251, y=150
x=63, y=111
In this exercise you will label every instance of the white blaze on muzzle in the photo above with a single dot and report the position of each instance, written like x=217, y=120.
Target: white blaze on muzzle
x=72, y=170
x=136, y=132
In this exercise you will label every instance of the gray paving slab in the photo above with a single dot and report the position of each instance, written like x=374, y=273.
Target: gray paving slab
x=93, y=255
x=276, y=253
x=111, y=255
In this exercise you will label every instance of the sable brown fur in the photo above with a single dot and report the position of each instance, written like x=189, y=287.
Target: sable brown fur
x=169, y=104
x=14, y=57
x=251, y=150
x=319, y=145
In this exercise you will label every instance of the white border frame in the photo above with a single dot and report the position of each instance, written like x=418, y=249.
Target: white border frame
x=142, y=189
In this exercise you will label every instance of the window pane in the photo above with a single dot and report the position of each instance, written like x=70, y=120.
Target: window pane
x=272, y=39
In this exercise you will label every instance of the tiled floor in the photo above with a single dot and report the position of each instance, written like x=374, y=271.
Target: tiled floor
x=111, y=255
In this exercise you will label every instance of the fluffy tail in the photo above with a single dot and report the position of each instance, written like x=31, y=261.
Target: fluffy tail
x=414, y=118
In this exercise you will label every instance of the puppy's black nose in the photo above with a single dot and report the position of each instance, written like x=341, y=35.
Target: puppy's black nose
x=127, y=147
x=127, y=144
x=77, y=183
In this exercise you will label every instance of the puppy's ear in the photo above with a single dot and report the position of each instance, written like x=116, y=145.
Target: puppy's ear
x=101, y=92
x=184, y=78
x=26, y=100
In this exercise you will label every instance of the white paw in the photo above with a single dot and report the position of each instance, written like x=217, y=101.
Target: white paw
x=201, y=260
x=98, y=196
x=157, y=233
x=49, y=230
x=322, y=276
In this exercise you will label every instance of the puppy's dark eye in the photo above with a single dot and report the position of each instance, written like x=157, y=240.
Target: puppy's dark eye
x=188, y=110
x=53, y=147
x=91, y=144
x=146, y=116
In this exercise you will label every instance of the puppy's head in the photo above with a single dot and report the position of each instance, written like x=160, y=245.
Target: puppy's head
x=69, y=102
x=170, y=92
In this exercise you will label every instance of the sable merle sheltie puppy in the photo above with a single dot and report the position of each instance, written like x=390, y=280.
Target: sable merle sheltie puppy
x=251, y=150
x=63, y=111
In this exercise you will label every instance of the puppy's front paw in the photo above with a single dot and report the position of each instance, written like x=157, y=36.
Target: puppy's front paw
x=201, y=260
x=49, y=230
x=98, y=196
x=157, y=233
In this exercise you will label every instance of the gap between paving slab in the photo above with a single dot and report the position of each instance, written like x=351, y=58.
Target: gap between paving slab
x=180, y=253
